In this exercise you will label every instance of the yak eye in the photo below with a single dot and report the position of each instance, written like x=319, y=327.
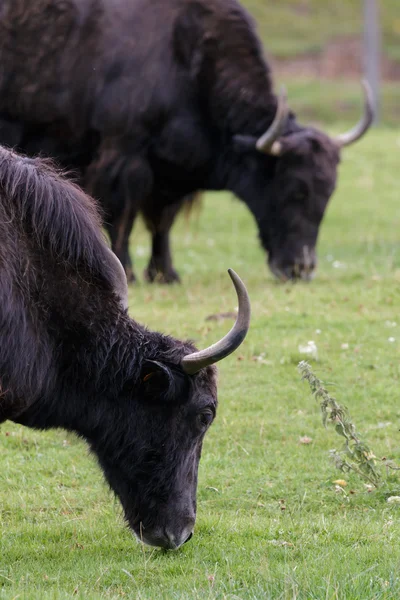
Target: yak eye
x=205, y=418
x=299, y=196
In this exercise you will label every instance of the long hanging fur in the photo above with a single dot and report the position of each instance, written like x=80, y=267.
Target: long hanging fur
x=49, y=231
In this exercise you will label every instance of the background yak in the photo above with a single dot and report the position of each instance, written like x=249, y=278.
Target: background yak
x=71, y=357
x=152, y=101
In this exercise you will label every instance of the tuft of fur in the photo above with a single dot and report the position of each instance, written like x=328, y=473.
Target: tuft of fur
x=57, y=213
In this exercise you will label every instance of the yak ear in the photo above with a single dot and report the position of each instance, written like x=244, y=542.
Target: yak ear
x=160, y=382
x=245, y=143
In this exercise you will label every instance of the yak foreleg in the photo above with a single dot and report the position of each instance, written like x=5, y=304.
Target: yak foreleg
x=159, y=220
x=122, y=182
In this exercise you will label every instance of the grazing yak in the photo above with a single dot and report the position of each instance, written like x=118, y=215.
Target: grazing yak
x=152, y=101
x=71, y=357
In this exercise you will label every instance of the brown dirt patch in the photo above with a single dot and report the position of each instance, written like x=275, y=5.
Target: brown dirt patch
x=342, y=57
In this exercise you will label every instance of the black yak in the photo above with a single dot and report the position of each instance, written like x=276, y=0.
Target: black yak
x=71, y=357
x=152, y=101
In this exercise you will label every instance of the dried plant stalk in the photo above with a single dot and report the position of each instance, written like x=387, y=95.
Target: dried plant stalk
x=355, y=456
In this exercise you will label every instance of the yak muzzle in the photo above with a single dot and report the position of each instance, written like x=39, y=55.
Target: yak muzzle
x=301, y=267
x=170, y=537
x=165, y=539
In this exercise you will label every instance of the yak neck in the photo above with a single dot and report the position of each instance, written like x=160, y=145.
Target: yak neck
x=91, y=370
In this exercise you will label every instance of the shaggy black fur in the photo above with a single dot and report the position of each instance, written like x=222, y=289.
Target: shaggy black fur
x=71, y=357
x=147, y=101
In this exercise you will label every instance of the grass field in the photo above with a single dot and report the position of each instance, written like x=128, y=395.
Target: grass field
x=62, y=535
x=294, y=27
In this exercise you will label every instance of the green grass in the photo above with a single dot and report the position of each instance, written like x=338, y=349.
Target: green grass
x=326, y=102
x=62, y=534
x=291, y=29
x=294, y=27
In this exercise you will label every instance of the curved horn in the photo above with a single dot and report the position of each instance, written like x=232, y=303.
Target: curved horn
x=192, y=363
x=268, y=143
x=345, y=139
x=120, y=282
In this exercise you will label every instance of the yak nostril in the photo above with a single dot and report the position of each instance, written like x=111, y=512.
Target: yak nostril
x=173, y=541
x=303, y=270
x=189, y=537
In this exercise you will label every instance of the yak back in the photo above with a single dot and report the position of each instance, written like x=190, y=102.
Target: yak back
x=79, y=64
x=127, y=67
x=53, y=259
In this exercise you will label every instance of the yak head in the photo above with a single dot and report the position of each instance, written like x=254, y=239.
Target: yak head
x=291, y=174
x=151, y=451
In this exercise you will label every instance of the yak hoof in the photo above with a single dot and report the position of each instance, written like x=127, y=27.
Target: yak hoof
x=153, y=275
